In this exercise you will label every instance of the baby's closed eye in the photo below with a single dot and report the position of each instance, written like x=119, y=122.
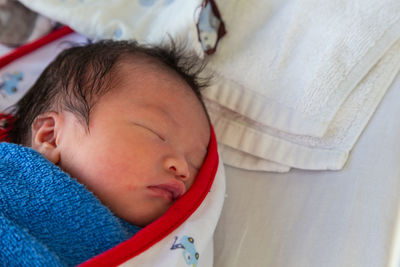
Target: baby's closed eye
x=151, y=130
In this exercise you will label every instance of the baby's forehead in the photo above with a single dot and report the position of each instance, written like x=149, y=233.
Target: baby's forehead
x=140, y=62
x=139, y=70
x=135, y=66
x=150, y=85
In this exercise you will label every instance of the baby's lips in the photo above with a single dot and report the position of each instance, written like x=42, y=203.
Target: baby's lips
x=175, y=187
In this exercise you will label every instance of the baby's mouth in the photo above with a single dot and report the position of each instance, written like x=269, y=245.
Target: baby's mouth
x=171, y=191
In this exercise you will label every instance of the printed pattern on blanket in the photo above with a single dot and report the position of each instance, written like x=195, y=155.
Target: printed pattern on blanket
x=20, y=68
x=197, y=23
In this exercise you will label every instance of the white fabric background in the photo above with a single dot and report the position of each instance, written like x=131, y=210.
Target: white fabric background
x=347, y=218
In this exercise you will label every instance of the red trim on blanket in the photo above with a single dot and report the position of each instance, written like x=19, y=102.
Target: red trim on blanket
x=177, y=214
x=6, y=123
x=27, y=48
x=172, y=219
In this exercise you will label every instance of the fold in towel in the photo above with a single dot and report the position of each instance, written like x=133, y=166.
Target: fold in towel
x=46, y=217
x=297, y=81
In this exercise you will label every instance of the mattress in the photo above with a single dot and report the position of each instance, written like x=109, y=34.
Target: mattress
x=320, y=218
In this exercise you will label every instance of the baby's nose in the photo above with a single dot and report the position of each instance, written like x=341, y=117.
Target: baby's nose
x=178, y=166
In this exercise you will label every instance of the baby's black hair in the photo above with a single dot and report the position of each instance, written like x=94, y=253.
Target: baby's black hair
x=80, y=75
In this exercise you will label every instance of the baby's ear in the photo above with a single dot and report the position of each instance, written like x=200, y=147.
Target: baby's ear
x=44, y=135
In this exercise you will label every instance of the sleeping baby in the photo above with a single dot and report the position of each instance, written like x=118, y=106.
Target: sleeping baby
x=110, y=136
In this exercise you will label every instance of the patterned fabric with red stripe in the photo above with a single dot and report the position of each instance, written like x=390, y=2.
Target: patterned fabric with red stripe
x=6, y=122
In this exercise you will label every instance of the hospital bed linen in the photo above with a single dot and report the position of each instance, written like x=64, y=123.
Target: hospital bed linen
x=347, y=218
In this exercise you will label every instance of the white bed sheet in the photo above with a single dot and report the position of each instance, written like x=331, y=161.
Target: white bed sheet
x=320, y=218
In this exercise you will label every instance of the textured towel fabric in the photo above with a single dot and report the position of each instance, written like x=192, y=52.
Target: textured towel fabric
x=46, y=217
x=298, y=80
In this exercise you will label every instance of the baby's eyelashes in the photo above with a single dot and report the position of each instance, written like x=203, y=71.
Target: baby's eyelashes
x=156, y=133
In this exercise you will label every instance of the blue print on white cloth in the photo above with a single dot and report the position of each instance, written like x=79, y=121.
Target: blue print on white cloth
x=190, y=254
x=118, y=33
x=10, y=82
x=208, y=26
x=152, y=2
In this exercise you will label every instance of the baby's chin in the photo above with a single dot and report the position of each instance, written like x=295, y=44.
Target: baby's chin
x=144, y=218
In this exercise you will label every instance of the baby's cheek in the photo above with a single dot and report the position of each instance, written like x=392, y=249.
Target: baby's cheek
x=131, y=187
x=193, y=175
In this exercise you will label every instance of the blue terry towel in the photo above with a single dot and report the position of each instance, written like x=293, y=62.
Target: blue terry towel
x=46, y=217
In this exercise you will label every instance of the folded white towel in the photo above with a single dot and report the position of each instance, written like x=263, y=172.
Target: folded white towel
x=301, y=78
x=243, y=160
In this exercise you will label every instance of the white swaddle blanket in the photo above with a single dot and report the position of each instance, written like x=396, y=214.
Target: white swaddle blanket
x=298, y=80
x=146, y=21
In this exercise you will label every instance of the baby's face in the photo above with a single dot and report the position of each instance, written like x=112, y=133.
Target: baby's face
x=147, y=141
